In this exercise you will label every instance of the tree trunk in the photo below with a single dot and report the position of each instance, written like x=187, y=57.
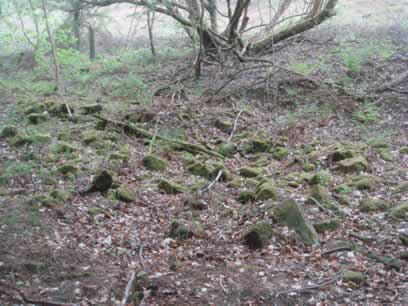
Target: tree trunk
x=92, y=48
x=150, y=22
x=76, y=25
x=59, y=84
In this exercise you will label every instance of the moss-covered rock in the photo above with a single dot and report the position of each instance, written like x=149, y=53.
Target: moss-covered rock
x=404, y=150
x=371, y=204
x=8, y=132
x=327, y=225
x=258, y=235
x=343, y=188
x=125, y=195
x=90, y=136
x=377, y=143
x=42, y=200
x=355, y=164
x=60, y=110
x=386, y=155
x=68, y=169
x=59, y=196
x=246, y=196
x=170, y=187
x=223, y=125
x=37, y=118
x=309, y=167
x=21, y=140
x=200, y=169
x=319, y=193
x=93, y=211
x=363, y=182
x=227, y=149
x=64, y=147
x=341, y=153
x=354, y=277
x=235, y=182
x=258, y=145
x=288, y=212
x=280, y=153
x=180, y=231
x=154, y=163
x=196, y=204
x=321, y=178
x=42, y=138
x=401, y=189
x=250, y=172
x=91, y=109
x=265, y=191
x=35, y=108
x=400, y=212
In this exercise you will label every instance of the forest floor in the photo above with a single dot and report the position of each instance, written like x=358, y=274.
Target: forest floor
x=322, y=135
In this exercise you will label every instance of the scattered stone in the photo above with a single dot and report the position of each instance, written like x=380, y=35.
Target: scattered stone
x=36, y=118
x=327, y=225
x=91, y=109
x=265, y=191
x=400, y=212
x=289, y=213
x=354, y=277
x=258, y=235
x=179, y=231
x=371, y=204
x=250, y=172
x=68, y=169
x=154, y=163
x=363, y=182
x=246, y=196
x=170, y=187
x=386, y=155
x=125, y=195
x=280, y=153
x=227, y=149
x=321, y=178
x=355, y=164
x=8, y=132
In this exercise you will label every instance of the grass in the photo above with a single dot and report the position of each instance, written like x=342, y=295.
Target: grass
x=368, y=113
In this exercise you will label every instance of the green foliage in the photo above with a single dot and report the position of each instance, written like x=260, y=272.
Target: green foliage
x=368, y=113
x=14, y=170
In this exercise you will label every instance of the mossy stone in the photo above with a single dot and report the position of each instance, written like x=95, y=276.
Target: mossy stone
x=280, y=153
x=309, y=167
x=196, y=204
x=386, y=155
x=125, y=195
x=355, y=164
x=93, y=211
x=200, y=169
x=400, y=212
x=354, y=277
x=223, y=125
x=154, y=163
x=327, y=225
x=42, y=138
x=319, y=193
x=401, y=189
x=371, y=204
x=64, y=147
x=404, y=150
x=59, y=195
x=170, y=187
x=42, y=200
x=265, y=191
x=341, y=154
x=246, y=196
x=235, y=182
x=179, y=231
x=322, y=178
x=258, y=145
x=227, y=149
x=289, y=212
x=343, y=188
x=60, y=110
x=101, y=181
x=250, y=172
x=91, y=109
x=36, y=118
x=21, y=140
x=363, y=182
x=8, y=132
x=377, y=143
x=118, y=156
x=68, y=169
x=90, y=136
x=251, y=182
x=258, y=235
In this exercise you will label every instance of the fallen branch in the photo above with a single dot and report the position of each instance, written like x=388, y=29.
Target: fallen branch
x=183, y=145
x=128, y=288
x=322, y=207
x=392, y=83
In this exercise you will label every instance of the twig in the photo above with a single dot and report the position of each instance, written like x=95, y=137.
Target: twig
x=128, y=288
x=311, y=287
x=323, y=208
x=234, y=126
x=222, y=286
x=156, y=131
x=141, y=256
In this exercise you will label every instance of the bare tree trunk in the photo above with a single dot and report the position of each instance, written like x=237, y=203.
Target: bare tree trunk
x=200, y=51
x=212, y=11
x=59, y=84
x=92, y=48
x=76, y=24
x=36, y=25
x=150, y=23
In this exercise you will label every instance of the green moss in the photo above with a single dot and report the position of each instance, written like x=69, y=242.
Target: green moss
x=363, y=182
x=91, y=109
x=400, y=212
x=170, y=187
x=319, y=193
x=401, y=189
x=93, y=211
x=289, y=213
x=258, y=235
x=309, y=167
x=59, y=110
x=59, y=196
x=250, y=172
x=37, y=118
x=42, y=138
x=154, y=163
x=386, y=155
x=280, y=153
x=125, y=195
x=265, y=191
x=321, y=178
x=200, y=169
x=42, y=200
x=404, y=150
x=90, y=136
x=343, y=188
x=8, y=132
x=227, y=149
x=118, y=156
x=370, y=204
x=327, y=225
x=246, y=196
x=355, y=164
x=236, y=182
x=102, y=181
x=64, y=147
x=21, y=140
x=377, y=142
x=68, y=169
x=354, y=277
x=223, y=125
x=179, y=231
x=341, y=153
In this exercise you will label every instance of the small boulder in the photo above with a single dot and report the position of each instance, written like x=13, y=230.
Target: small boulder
x=125, y=195
x=280, y=153
x=341, y=153
x=227, y=149
x=257, y=145
x=154, y=163
x=400, y=212
x=386, y=155
x=265, y=191
x=288, y=212
x=8, y=132
x=371, y=204
x=179, y=231
x=321, y=178
x=170, y=187
x=363, y=182
x=250, y=172
x=258, y=235
x=326, y=225
x=223, y=125
x=354, y=277
x=246, y=196
x=200, y=169
x=355, y=164
x=37, y=118
x=101, y=182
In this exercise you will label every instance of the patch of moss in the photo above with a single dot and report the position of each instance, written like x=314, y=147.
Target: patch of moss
x=386, y=155
x=363, y=182
x=227, y=149
x=401, y=189
x=403, y=150
x=179, y=231
x=246, y=196
x=327, y=225
x=59, y=196
x=90, y=136
x=322, y=178
x=258, y=235
x=400, y=212
x=354, y=277
x=319, y=193
x=200, y=169
x=64, y=147
x=102, y=181
x=280, y=153
x=265, y=191
x=355, y=164
x=371, y=204
x=8, y=132
x=223, y=125
x=250, y=172
x=125, y=195
x=154, y=163
x=341, y=153
x=35, y=118
x=170, y=187
x=91, y=109
x=68, y=169
x=21, y=140
x=343, y=188
x=309, y=167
